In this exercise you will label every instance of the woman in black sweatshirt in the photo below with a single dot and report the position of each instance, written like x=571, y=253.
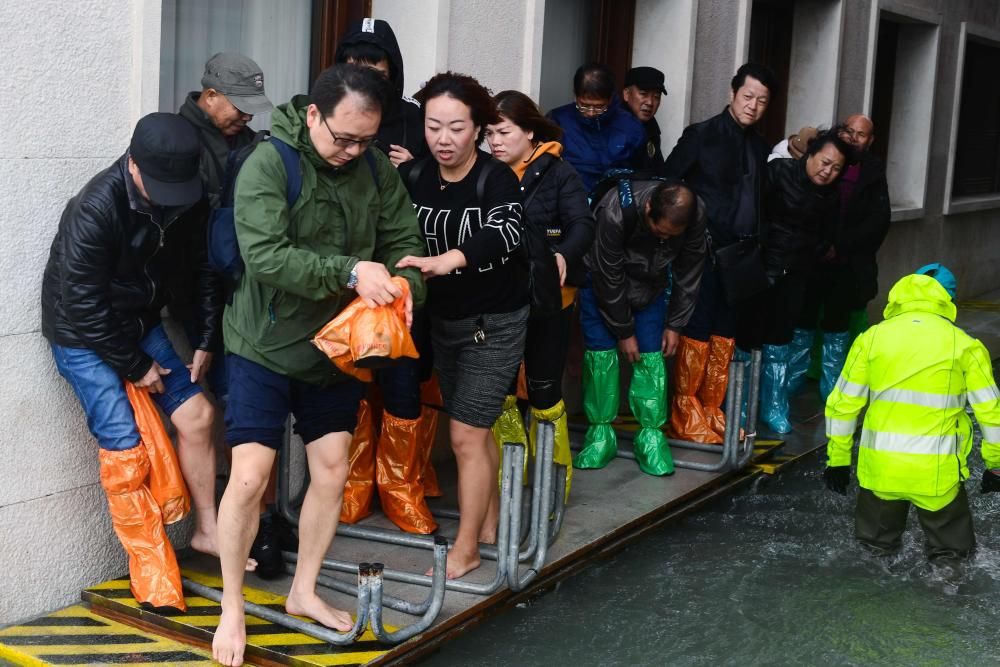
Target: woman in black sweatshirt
x=469, y=208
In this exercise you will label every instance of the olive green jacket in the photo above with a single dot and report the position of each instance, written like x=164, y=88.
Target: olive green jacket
x=298, y=261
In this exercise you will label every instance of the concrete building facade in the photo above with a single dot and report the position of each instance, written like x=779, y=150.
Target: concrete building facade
x=76, y=77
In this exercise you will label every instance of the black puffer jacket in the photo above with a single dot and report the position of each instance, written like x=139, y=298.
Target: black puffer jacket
x=711, y=157
x=104, y=284
x=403, y=121
x=798, y=215
x=558, y=204
x=630, y=267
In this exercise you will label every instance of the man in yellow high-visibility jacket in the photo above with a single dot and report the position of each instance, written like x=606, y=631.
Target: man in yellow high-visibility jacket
x=918, y=371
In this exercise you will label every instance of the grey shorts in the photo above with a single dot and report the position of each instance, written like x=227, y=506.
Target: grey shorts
x=474, y=377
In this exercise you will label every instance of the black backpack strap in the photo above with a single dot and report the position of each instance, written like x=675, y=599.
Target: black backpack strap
x=487, y=169
x=413, y=176
x=373, y=168
x=630, y=213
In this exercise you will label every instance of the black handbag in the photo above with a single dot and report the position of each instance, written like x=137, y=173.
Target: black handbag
x=741, y=270
x=539, y=263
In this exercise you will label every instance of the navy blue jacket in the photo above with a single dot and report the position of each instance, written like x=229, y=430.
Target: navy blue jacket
x=594, y=145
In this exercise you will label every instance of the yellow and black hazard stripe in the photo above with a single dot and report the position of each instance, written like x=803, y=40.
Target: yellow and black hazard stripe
x=78, y=636
x=265, y=640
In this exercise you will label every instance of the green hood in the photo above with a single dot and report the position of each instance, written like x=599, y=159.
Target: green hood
x=922, y=294
x=288, y=123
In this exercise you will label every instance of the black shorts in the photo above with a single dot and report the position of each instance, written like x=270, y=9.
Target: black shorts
x=260, y=401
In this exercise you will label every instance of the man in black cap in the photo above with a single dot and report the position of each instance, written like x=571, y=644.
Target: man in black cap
x=104, y=286
x=643, y=91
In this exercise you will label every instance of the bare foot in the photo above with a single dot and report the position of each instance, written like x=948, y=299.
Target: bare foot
x=488, y=535
x=459, y=563
x=205, y=544
x=314, y=607
x=230, y=638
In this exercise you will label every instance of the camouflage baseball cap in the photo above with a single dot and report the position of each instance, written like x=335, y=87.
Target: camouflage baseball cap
x=240, y=79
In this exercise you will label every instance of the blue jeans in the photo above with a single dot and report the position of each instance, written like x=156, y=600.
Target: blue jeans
x=648, y=323
x=102, y=392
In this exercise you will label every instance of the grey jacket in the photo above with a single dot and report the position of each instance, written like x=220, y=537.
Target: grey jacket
x=630, y=267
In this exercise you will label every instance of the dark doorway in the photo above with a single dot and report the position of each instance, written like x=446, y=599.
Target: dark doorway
x=977, y=147
x=329, y=21
x=882, y=85
x=612, y=30
x=771, y=45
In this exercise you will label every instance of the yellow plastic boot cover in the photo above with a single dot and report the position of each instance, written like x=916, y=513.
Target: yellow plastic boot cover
x=509, y=427
x=152, y=564
x=561, y=453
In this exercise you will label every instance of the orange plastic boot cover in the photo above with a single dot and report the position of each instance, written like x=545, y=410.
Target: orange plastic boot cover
x=431, y=401
x=166, y=482
x=361, y=469
x=397, y=473
x=152, y=564
x=687, y=417
x=713, y=389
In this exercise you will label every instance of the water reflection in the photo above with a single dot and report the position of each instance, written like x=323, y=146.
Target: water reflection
x=773, y=577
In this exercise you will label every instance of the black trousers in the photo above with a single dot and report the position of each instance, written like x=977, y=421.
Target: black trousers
x=770, y=317
x=835, y=290
x=879, y=524
x=545, y=357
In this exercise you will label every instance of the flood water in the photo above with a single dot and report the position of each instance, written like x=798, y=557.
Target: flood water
x=769, y=577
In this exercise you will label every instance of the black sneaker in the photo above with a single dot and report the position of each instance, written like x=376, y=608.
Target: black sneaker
x=287, y=539
x=266, y=550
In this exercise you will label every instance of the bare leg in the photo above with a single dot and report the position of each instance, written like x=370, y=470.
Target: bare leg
x=477, y=481
x=488, y=534
x=327, y=458
x=238, y=519
x=194, y=419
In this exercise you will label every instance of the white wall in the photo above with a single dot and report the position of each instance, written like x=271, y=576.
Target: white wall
x=664, y=39
x=815, y=65
x=564, y=49
x=83, y=72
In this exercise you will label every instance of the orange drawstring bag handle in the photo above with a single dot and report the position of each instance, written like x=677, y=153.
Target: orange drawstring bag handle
x=166, y=482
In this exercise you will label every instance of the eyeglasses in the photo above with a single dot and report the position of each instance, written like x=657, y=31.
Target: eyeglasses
x=588, y=109
x=346, y=142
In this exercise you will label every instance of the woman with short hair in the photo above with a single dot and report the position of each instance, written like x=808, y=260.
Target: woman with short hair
x=469, y=208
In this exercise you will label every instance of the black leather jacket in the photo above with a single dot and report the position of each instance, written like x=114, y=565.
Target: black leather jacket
x=105, y=281
x=798, y=215
x=631, y=267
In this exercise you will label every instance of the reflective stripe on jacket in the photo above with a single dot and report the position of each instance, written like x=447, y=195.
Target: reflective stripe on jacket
x=918, y=371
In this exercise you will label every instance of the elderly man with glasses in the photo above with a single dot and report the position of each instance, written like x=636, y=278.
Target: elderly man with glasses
x=598, y=135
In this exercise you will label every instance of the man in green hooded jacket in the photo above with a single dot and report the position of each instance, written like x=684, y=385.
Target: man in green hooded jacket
x=303, y=266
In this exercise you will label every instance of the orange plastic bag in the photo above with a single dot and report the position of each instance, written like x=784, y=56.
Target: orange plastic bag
x=361, y=338
x=166, y=482
x=154, y=575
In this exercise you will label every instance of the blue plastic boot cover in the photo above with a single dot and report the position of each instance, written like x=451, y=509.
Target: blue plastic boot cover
x=834, y=356
x=798, y=359
x=744, y=358
x=774, y=388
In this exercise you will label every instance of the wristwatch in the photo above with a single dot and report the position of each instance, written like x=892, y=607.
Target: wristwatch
x=352, y=278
